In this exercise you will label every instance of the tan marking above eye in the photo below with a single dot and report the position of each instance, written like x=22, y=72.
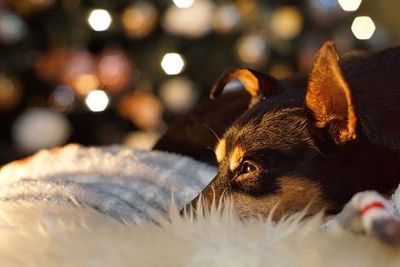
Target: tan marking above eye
x=236, y=158
x=220, y=151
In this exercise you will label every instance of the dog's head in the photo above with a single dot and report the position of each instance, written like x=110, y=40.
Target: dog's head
x=272, y=157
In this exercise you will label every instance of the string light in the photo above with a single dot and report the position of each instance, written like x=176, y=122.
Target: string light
x=172, y=63
x=97, y=100
x=363, y=27
x=99, y=20
x=350, y=5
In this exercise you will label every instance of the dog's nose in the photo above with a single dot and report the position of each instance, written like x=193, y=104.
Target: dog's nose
x=205, y=199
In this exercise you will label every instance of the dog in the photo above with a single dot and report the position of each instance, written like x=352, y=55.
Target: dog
x=196, y=133
x=313, y=147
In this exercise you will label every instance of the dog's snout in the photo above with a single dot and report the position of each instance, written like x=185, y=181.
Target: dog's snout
x=211, y=194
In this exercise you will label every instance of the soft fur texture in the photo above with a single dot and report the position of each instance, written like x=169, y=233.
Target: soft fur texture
x=48, y=235
x=126, y=184
x=49, y=232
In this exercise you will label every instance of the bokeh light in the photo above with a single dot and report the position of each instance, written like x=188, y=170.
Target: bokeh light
x=226, y=18
x=10, y=92
x=233, y=85
x=183, y=3
x=52, y=64
x=363, y=27
x=324, y=12
x=252, y=49
x=139, y=19
x=30, y=7
x=152, y=60
x=172, y=63
x=62, y=98
x=286, y=22
x=80, y=73
x=143, y=109
x=141, y=139
x=97, y=100
x=178, y=94
x=85, y=83
x=114, y=70
x=99, y=20
x=193, y=22
x=350, y=5
x=12, y=27
x=39, y=128
x=325, y=4
x=280, y=71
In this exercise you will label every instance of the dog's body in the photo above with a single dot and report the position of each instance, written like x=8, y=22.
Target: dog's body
x=315, y=147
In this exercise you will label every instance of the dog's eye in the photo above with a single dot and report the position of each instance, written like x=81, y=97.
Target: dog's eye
x=247, y=167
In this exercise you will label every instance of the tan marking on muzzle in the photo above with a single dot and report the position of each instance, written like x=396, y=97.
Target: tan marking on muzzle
x=220, y=151
x=295, y=195
x=236, y=158
x=299, y=193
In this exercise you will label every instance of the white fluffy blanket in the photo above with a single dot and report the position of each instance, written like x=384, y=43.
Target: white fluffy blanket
x=66, y=207
x=125, y=184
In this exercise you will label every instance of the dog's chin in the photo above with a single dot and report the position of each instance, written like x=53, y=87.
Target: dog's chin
x=252, y=217
x=273, y=215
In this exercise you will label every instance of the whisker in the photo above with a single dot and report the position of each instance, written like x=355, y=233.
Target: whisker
x=212, y=131
x=210, y=148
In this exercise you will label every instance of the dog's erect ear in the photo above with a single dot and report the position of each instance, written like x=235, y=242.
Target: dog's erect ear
x=255, y=83
x=329, y=97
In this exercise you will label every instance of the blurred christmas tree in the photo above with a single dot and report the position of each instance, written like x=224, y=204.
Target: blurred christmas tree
x=102, y=72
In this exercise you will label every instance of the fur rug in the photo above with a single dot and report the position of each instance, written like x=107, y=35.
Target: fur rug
x=49, y=235
x=53, y=230
x=126, y=184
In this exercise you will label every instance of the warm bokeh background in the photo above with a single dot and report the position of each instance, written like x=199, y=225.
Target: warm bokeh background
x=102, y=72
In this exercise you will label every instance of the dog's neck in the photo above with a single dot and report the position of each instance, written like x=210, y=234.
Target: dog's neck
x=374, y=81
x=359, y=167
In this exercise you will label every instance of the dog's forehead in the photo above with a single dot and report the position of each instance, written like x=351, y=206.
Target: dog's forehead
x=280, y=128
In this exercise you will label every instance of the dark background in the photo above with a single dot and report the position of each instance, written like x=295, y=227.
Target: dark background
x=51, y=59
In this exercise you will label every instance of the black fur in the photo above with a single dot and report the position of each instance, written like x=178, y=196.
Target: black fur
x=280, y=139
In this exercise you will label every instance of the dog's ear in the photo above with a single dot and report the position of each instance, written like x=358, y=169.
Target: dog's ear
x=257, y=84
x=329, y=96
